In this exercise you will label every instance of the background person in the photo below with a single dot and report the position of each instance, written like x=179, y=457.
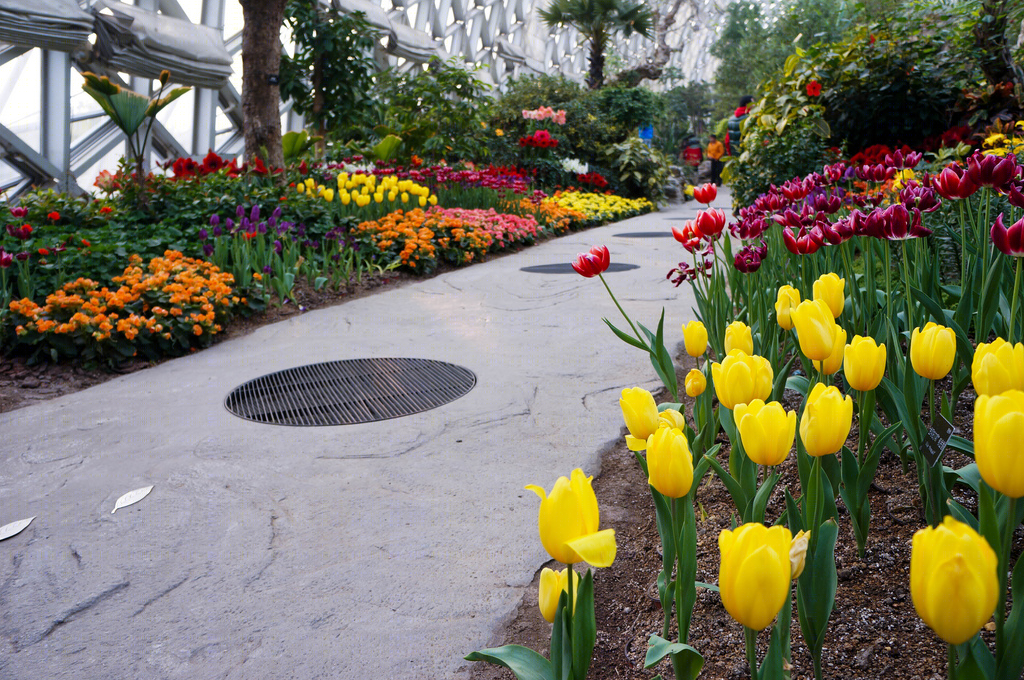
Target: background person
x=715, y=152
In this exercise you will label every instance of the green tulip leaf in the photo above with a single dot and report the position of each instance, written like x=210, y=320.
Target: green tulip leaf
x=561, y=655
x=782, y=379
x=816, y=588
x=670, y=405
x=626, y=337
x=584, y=628
x=691, y=660
x=739, y=499
x=706, y=586
x=970, y=476
x=525, y=663
x=798, y=383
x=990, y=294
x=961, y=513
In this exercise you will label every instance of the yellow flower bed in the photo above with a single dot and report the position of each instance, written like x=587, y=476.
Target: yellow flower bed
x=601, y=207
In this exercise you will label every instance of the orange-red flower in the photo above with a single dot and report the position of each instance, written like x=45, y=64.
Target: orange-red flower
x=813, y=88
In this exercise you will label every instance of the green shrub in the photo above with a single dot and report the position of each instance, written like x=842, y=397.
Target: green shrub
x=640, y=169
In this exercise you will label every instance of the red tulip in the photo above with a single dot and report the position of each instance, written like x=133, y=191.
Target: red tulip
x=706, y=194
x=954, y=183
x=688, y=236
x=900, y=224
x=991, y=171
x=803, y=242
x=709, y=223
x=5, y=259
x=1009, y=240
x=795, y=190
x=592, y=263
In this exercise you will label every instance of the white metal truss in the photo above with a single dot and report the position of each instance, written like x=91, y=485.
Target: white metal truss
x=503, y=38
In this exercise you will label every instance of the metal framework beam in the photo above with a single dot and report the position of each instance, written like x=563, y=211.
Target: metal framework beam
x=55, y=108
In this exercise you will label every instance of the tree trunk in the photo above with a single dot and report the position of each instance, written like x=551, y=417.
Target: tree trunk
x=654, y=66
x=261, y=61
x=992, y=41
x=598, y=42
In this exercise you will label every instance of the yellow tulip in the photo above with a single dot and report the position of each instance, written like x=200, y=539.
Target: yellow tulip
x=568, y=522
x=392, y=195
x=695, y=337
x=344, y=197
x=998, y=366
x=300, y=187
x=835, y=360
x=552, y=585
x=755, y=572
x=695, y=383
x=831, y=289
x=798, y=554
x=671, y=418
x=953, y=580
x=423, y=202
x=863, y=363
x=932, y=350
x=816, y=329
x=741, y=378
x=766, y=430
x=310, y=183
x=641, y=416
x=329, y=196
x=738, y=336
x=378, y=197
x=432, y=200
x=998, y=421
x=786, y=300
x=669, y=462
x=826, y=421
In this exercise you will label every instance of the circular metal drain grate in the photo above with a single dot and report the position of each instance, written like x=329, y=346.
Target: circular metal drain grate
x=349, y=392
x=644, y=234
x=566, y=268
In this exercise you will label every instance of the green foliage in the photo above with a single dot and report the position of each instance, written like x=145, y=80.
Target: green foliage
x=640, y=169
x=437, y=112
x=630, y=107
x=330, y=77
x=295, y=144
x=684, y=111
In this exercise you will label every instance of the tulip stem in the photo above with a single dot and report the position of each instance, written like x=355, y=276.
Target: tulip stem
x=906, y=276
x=887, y=247
x=1004, y=566
x=951, y=662
x=751, y=639
x=622, y=311
x=1012, y=331
x=568, y=605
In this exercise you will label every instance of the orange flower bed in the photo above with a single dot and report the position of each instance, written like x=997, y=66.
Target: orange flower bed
x=557, y=218
x=171, y=307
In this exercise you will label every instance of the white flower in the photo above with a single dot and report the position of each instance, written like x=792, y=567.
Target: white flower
x=575, y=166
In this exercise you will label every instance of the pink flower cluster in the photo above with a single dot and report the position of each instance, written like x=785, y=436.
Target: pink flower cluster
x=503, y=229
x=545, y=112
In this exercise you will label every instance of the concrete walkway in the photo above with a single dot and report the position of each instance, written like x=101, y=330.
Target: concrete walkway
x=384, y=550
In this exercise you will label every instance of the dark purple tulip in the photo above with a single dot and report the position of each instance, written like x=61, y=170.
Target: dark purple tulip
x=217, y=231
x=5, y=259
x=208, y=249
x=239, y=212
x=267, y=269
x=214, y=220
x=202, y=234
x=919, y=196
x=262, y=227
x=255, y=213
x=19, y=212
x=991, y=171
x=22, y=256
x=278, y=247
x=276, y=215
x=230, y=225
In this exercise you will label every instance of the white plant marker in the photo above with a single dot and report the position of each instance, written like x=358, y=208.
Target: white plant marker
x=14, y=528
x=131, y=498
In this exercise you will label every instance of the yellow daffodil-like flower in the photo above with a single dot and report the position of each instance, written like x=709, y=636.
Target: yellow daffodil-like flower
x=552, y=585
x=798, y=554
x=998, y=422
x=695, y=337
x=499, y=132
x=741, y=378
x=738, y=336
x=641, y=416
x=785, y=302
x=766, y=430
x=997, y=367
x=835, y=360
x=695, y=383
x=669, y=462
x=568, y=522
x=953, y=580
x=863, y=363
x=755, y=572
x=932, y=350
x=826, y=421
x=831, y=289
x=816, y=329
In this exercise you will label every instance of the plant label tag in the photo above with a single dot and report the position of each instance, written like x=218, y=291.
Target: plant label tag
x=936, y=439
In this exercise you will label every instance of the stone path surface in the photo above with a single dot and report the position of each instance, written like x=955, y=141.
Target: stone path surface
x=382, y=550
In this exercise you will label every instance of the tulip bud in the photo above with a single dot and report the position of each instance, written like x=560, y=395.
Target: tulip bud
x=165, y=76
x=826, y=421
x=592, y=263
x=863, y=363
x=816, y=329
x=695, y=383
x=741, y=378
x=552, y=585
x=671, y=418
x=705, y=193
x=953, y=580
x=695, y=337
x=669, y=462
x=754, y=573
x=787, y=298
x=641, y=416
x=738, y=336
x=568, y=522
x=831, y=289
x=997, y=367
x=932, y=350
x=798, y=554
x=766, y=430
x=998, y=422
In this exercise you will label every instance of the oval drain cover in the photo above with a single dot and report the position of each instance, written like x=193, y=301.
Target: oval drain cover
x=349, y=391
x=566, y=268
x=643, y=234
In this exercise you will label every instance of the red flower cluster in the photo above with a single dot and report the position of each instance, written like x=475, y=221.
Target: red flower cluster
x=541, y=139
x=186, y=167
x=594, y=179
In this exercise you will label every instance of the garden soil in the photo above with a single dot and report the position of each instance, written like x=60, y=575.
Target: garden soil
x=874, y=631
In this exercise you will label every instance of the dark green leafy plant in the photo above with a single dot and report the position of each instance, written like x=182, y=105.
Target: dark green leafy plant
x=640, y=169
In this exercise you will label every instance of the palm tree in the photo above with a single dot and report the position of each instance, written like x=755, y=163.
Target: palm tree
x=597, y=21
